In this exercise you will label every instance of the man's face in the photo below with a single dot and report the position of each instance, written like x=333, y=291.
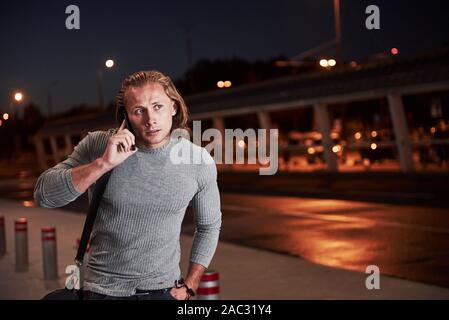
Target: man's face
x=150, y=112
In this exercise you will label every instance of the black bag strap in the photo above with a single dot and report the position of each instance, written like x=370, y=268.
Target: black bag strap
x=100, y=186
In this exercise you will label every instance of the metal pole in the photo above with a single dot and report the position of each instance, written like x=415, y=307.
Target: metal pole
x=21, y=231
x=2, y=236
x=338, y=32
x=49, y=253
x=100, y=88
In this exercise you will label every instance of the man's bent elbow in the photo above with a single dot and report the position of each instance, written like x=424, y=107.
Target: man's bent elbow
x=40, y=201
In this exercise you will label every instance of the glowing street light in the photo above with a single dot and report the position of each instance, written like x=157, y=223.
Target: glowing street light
x=224, y=84
x=336, y=148
x=310, y=150
x=18, y=96
x=100, y=81
x=373, y=133
x=109, y=63
x=373, y=146
x=324, y=63
x=5, y=116
x=357, y=135
x=394, y=51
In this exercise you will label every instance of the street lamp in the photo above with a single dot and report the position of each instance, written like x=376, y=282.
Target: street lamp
x=336, y=148
x=328, y=63
x=324, y=63
x=109, y=63
x=224, y=84
x=338, y=31
x=18, y=96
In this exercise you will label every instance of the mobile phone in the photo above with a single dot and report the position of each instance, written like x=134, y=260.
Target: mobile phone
x=127, y=123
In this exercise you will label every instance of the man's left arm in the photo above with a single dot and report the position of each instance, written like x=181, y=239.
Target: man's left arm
x=207, y=217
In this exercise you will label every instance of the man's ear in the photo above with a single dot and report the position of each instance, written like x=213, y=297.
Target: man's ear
x=175, y=108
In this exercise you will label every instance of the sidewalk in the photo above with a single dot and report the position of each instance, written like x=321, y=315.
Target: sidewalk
x=245, y=273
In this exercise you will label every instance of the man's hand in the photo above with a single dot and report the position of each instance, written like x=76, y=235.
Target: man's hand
x=179, y=293
x=192, y=280
x=120, y=146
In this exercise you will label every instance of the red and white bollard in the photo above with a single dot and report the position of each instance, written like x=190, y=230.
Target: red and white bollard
x=21, y=231
x=209, y=288
x=49, y=253
x=2, y=236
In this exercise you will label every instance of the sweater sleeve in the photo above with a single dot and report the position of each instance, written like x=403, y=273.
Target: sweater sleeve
x=54, y=187
x=207, y=213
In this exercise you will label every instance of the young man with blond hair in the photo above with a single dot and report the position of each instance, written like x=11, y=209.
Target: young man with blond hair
x=135, y=242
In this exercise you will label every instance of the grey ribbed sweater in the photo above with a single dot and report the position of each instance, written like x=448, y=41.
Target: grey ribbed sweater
x=135, y=242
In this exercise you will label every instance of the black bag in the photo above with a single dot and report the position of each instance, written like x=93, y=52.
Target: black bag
x=65, y=294
x=74, y=294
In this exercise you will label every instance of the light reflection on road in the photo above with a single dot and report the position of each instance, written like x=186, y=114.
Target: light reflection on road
x=405, y=241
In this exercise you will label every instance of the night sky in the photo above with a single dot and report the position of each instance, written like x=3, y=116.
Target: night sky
x=37, y=49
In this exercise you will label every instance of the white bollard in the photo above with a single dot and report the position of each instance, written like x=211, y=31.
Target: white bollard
x=49, y=253
x=2, y=236
x=209, y=288
x=21, y=231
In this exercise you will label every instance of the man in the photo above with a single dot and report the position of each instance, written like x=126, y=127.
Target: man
x=134, y=246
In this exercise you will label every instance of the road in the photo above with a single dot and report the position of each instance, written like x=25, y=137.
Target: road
x=403, y=241
x=410, y=242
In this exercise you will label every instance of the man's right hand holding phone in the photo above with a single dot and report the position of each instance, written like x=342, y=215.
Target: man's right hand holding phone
x=120, y=146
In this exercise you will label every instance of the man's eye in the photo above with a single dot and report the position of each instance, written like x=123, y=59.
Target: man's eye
x=139, y=111
x=158, y=106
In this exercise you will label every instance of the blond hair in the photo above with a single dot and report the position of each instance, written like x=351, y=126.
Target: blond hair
x=140, y=78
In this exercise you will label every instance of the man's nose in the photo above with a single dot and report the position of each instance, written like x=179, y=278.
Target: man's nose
x=150, y=118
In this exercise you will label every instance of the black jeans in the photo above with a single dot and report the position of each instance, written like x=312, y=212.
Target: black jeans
x=163, y=294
